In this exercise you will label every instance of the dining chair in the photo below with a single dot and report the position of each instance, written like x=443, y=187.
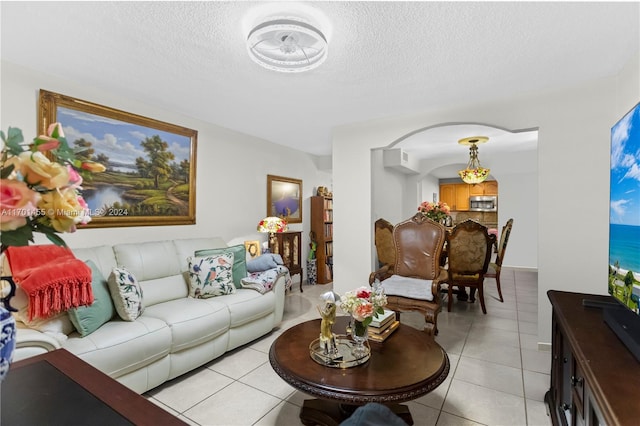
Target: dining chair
x=384, y=242
x=495, y=267
x=469, y=247
x=412, y=283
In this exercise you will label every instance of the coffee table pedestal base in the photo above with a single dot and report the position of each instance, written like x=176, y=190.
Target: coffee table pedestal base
x=318, y=412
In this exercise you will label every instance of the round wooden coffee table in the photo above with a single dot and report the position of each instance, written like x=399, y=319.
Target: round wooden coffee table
x=407, y=365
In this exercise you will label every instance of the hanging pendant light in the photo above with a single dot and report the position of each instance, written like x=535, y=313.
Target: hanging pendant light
x=474, y=173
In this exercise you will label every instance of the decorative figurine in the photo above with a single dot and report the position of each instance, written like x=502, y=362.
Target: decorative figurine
x=328, y=314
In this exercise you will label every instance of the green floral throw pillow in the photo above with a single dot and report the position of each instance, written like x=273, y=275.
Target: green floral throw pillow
x=211, y=275
x=126, y=293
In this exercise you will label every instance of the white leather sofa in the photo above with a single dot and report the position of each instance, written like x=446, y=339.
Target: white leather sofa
x=175, y=333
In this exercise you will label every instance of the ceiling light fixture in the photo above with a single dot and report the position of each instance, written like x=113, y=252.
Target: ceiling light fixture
x=474, y=173
x=287, y=44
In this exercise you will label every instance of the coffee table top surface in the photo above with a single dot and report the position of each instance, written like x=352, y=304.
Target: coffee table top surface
x=406, y=366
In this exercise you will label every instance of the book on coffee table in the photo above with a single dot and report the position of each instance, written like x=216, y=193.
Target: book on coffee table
x=384, y=334
x=383, y=319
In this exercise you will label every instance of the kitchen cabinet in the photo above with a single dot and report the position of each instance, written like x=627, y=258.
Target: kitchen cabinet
x=488, y=187
x=456, y=195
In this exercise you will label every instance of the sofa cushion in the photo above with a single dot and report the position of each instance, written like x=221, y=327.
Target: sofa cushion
x=126, y=294
x=211, y=275
x=188, y=246
x=239, y=260
x=120, y=347
x=87, y=319
x=191, y=321
x=246, y=305
x=150, y=261
x=102, y=256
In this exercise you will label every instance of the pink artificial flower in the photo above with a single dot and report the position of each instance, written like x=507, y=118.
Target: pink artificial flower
x=48, y=143
x=363, y=311
x=17, y=203
x=75, y=180
x=55, y=130
x=86, y=212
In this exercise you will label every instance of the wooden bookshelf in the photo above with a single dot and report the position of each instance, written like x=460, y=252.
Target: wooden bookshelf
x=322, y=226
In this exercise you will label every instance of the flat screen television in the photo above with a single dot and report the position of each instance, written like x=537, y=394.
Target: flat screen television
x=624, y=231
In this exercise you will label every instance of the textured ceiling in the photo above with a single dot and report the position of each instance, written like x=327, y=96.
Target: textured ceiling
x=385, y=58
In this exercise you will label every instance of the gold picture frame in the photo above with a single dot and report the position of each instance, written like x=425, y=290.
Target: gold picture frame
x=151, y=165
x=284, y=198
x=253, y=248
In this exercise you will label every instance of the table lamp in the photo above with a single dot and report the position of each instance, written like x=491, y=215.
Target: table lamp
x=272, y=225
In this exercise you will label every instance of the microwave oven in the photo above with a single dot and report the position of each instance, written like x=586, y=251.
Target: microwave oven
x=483, y=203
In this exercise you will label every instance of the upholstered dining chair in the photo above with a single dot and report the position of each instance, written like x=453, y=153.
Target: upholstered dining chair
x=412, y=283
x=384, y=242
x=495, y=267
x=469, y=247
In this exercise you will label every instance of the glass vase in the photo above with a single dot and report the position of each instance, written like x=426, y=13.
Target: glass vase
x=359, y=335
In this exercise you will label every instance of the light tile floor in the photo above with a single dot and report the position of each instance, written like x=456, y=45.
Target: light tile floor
x=497, y=377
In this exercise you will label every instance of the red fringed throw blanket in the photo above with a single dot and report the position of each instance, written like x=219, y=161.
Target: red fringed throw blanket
x=52, y=277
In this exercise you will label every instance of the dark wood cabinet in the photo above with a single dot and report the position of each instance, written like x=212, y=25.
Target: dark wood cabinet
x=322, y=227
x=594, y=378
x=289, y=246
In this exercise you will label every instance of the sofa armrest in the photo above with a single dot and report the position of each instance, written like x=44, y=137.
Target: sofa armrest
x=30, y=342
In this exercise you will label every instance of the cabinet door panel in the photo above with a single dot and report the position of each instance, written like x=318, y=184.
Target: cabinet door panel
x=462, y=197
x=448, y=195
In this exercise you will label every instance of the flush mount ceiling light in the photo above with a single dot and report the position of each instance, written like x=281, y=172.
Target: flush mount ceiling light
x=287, y=44
x=474, y=173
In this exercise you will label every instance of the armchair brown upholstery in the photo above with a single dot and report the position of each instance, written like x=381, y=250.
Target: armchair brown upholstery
x=495, y=267
x=384, y=243
x=412, y=284
x=469, y=248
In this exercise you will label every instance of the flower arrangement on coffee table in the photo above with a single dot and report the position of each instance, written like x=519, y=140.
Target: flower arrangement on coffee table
x=363, y=304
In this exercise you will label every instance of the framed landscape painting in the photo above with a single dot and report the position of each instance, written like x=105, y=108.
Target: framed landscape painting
x=151, y=165
x=284, y=198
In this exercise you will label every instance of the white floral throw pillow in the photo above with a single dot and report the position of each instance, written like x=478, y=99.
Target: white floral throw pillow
x=211, y=275
x=126, y=293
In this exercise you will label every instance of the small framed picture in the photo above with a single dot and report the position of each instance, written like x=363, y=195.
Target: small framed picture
x=253, y=248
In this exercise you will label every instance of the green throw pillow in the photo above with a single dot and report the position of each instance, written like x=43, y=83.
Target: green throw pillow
x=87, y=319
x=239, y=270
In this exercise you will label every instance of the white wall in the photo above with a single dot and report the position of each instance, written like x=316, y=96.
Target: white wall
x=574, y=131
x=231, y=174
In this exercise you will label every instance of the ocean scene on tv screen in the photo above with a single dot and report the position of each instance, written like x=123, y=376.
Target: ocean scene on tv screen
x=624, y=213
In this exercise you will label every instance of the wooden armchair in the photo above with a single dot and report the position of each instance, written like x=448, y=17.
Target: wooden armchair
x=496, y=267
x=384, y=243
x=412, y=284
x=469, y=248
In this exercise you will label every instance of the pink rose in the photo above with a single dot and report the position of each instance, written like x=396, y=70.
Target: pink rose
x=17, y=202
x=363, y=311
x=75, y=180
